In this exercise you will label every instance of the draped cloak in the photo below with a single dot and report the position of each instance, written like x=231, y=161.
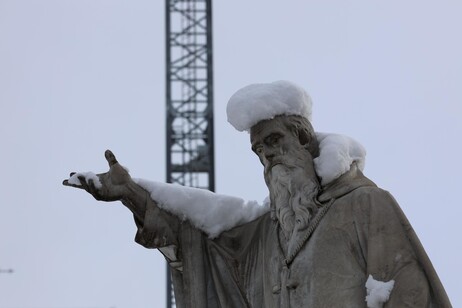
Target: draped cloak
x=362, y=232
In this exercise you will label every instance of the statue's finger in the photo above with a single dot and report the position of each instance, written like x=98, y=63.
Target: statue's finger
x=66, y=183
x=93, y=190
x=110, y=157
x=83, y=181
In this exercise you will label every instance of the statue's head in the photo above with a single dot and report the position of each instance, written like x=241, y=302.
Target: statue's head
x=277, y=115
x=284, y=140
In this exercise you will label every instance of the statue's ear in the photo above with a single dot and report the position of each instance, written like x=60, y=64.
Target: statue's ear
x=309, y=142
x=303, y=137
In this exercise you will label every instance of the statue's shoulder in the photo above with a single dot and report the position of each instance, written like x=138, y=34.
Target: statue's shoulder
x=374, y=201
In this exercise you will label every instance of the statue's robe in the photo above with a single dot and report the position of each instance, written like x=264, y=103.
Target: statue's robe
x=364, y=232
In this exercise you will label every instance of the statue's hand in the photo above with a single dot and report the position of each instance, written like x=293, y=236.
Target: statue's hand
x=109, y=186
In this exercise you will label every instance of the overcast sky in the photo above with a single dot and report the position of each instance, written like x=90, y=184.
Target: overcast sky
x=80, y=77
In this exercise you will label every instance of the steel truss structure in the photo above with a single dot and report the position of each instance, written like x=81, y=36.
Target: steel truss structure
x=189, y=95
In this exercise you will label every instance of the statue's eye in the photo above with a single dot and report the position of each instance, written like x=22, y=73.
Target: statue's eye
x=259, y=150
x=273, y=139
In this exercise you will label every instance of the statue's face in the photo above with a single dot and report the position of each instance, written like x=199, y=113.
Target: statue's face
x=275, y=144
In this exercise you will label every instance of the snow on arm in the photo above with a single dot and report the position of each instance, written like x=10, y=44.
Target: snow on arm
x=378, y=292
x=336, y=154
x=74, y=179
x=207, y=211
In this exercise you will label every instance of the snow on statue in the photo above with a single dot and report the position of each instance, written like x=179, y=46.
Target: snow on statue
x=328, y=237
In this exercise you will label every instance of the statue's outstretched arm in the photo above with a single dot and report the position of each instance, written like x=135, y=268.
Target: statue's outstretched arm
x=114, y=185
x=159, y=205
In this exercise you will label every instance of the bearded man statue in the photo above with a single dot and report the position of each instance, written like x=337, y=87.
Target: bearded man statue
x=328, y=237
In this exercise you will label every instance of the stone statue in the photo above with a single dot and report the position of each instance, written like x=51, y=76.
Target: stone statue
x=329, y=239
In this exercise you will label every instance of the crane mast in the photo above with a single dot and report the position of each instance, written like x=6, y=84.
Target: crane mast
x=189, y=97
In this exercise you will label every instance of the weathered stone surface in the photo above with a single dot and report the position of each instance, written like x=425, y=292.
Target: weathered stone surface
x=315, y=248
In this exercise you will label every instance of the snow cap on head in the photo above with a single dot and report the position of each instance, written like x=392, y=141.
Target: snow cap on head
x=264, y=101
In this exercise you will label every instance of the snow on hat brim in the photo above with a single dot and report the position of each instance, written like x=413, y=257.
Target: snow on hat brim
x=257, y=102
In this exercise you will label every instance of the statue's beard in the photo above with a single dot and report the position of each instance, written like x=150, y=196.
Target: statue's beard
x=293, y=197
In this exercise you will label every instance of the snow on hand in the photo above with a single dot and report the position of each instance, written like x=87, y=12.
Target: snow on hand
x=74, y=179
x=378, y=292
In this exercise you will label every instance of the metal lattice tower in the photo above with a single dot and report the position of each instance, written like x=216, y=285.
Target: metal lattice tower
x=189, y=91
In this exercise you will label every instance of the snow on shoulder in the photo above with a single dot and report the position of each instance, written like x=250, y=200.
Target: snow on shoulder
x=264, y=101
x=378, y=292
x=336, y=154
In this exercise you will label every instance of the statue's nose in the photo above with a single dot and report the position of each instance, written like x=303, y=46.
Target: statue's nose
x=269, y=154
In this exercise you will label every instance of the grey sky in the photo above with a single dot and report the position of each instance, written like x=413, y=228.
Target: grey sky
x=79, y=77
